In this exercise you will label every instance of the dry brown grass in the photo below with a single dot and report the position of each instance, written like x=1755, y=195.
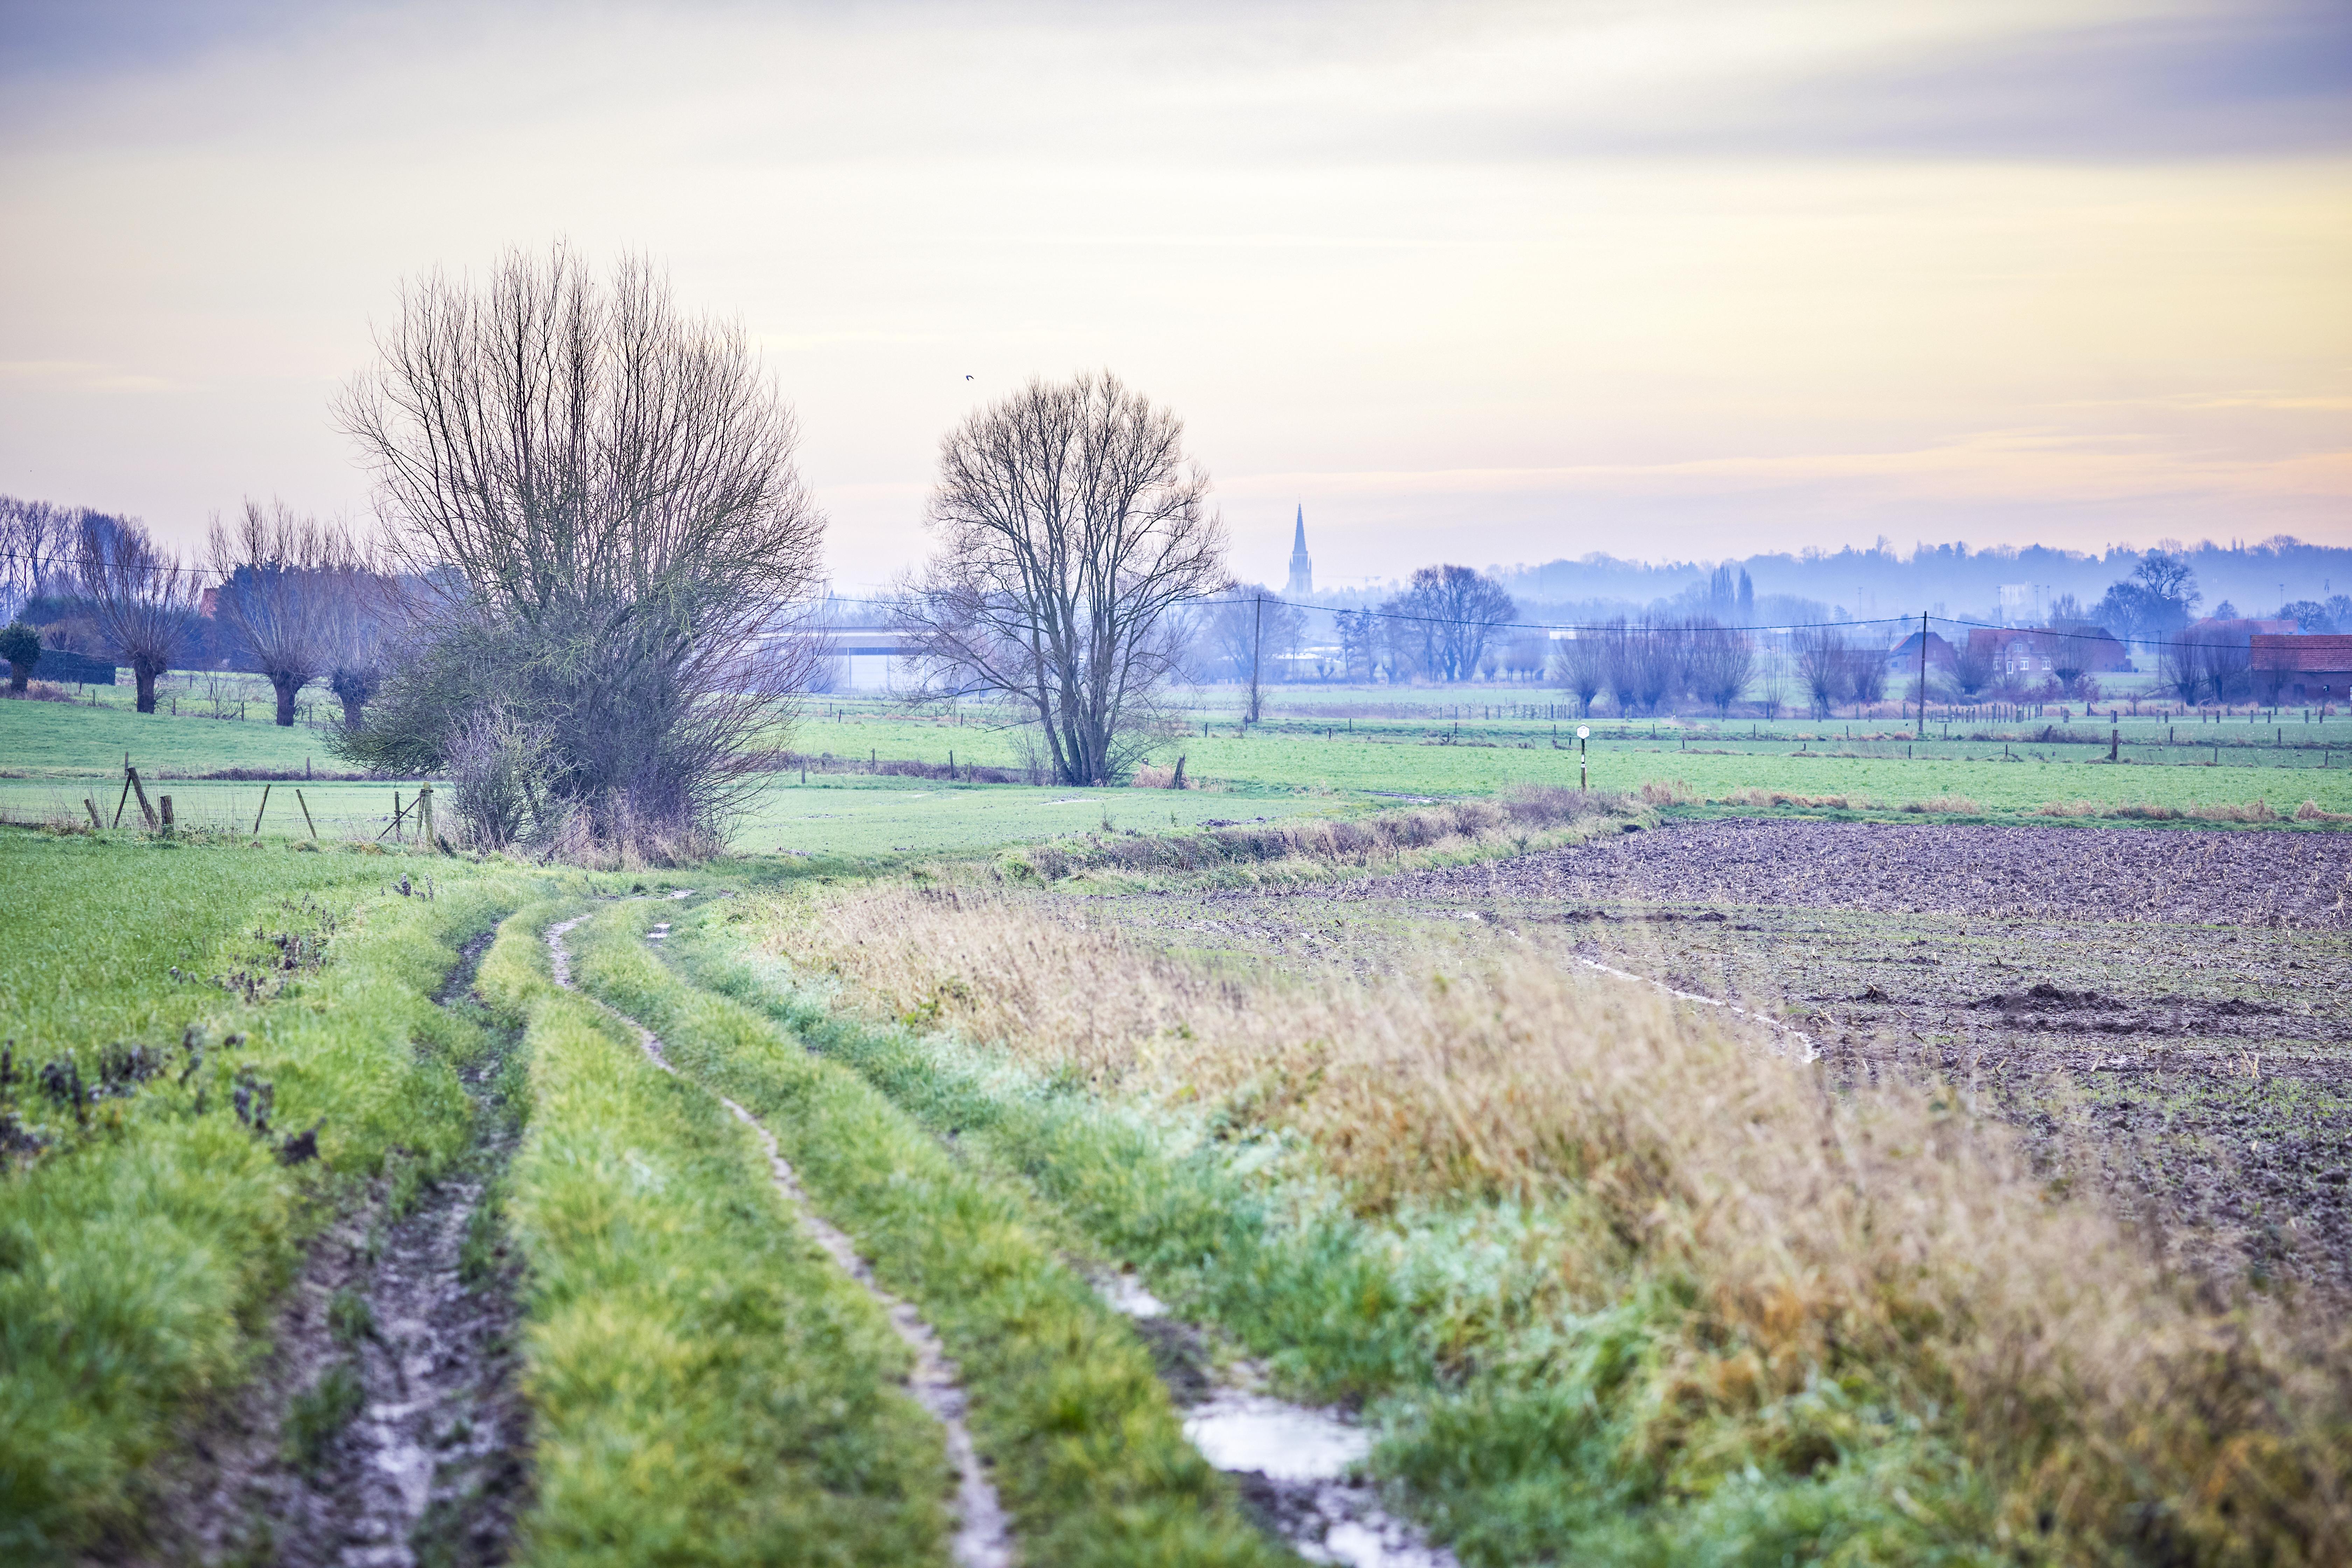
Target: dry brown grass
x=2309, y=811
x=1887, y=1234
x=2141, y=811
x=1945, y=806
x=1750, y=795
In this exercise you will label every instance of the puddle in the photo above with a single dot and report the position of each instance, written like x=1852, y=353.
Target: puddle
x=1295, y=1465
x=983, y=1537
x=1282, y=1442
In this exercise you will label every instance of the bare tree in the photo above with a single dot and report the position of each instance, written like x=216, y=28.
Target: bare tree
x=1865, y=674
x=1248, y=627
x=1359, y=634
x=1457, y=613
x=1972, y=668
x=1071, y=531
x=1825, y=664
x=38, y=542
x=138, y=595
x=1582, y=664
x=1722, y=663
x=602, y=493
x=279, y=576
x=366, y=609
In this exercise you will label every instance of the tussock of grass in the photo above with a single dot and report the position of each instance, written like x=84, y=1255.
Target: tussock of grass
x=1945, y=805
x=1085, y=1450
x=708, y=1387
x=1320, y=843
x=1753, y=795
x=137, y=1259
x=2309, y=811
x=1844, y=1293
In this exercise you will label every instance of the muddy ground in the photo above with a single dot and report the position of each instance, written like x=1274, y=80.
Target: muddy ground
x=386, y=1428
x=2164, y=1015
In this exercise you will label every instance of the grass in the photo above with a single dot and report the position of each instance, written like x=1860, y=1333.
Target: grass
x=140, y=1246
x=1086, y=1450
x=708, y=1387
x=1861, y=1329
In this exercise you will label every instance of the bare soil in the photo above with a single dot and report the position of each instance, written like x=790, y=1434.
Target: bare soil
x=2164, y=1016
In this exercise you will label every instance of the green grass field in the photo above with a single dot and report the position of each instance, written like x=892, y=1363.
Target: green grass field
x=1307, y=756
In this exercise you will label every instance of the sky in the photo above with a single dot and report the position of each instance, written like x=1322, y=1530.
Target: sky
x=1488, y=283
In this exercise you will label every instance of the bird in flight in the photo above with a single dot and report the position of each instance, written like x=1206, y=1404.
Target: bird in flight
x=967, y=378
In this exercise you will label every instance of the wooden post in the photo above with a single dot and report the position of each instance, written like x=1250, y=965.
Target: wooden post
x=265, y=806
x=97, y=824
x=425, y=813
x=1923, y=674
x=306, y=815
x=141, y=790
x=125, y=799
x=166, y=801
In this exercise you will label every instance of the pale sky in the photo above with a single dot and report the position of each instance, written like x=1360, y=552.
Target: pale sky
x=1486, y=284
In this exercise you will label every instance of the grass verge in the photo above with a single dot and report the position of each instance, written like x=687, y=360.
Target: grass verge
x=1086, y=1451
x=708, y=1387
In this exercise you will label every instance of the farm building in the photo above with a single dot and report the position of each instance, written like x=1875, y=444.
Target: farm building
x=1904, y=658
x=2032, y=651
x=2302, y=668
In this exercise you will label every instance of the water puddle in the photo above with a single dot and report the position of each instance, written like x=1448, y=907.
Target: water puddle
x=1296, y=1465
x=983, y=1537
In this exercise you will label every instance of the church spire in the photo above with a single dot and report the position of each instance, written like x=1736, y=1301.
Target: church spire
x=1302, y=570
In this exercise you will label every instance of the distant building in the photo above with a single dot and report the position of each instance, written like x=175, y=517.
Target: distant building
x=2020, y=652
x=1302, y=570
x=2235, y=627
x=1904, y=659
x=2302, y=668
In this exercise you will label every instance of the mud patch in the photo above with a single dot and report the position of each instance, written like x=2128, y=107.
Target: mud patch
x=2048, y=999
x=387, y=1428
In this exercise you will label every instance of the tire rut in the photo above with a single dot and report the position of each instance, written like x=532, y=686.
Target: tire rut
x=983, y=1532
x=387, y=1426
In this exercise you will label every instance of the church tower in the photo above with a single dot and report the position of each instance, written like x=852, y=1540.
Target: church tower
x=1302, y=570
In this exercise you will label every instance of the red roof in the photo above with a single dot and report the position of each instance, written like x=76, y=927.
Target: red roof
x=2316, y=655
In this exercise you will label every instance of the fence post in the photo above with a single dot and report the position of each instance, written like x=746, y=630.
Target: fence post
x=265, y=806
x=141, y=790
x=97, y=824
x=306, y=815
x=166, y=801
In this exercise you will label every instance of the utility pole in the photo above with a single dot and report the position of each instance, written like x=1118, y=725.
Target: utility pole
x=1923, y=674
x=1258, y=636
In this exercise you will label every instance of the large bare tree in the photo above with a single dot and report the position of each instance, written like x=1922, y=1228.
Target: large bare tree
x=600, y=495
x=1071, y=531
x=143, y=601
x=1454, y=613
x=281, y=576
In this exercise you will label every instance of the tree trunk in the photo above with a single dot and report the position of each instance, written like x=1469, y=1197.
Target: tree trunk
x=352, y=703
x=18, y=674
x=146, y=679
x=285, y=686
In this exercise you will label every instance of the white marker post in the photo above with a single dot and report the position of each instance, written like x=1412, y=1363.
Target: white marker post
x=1583, y=733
